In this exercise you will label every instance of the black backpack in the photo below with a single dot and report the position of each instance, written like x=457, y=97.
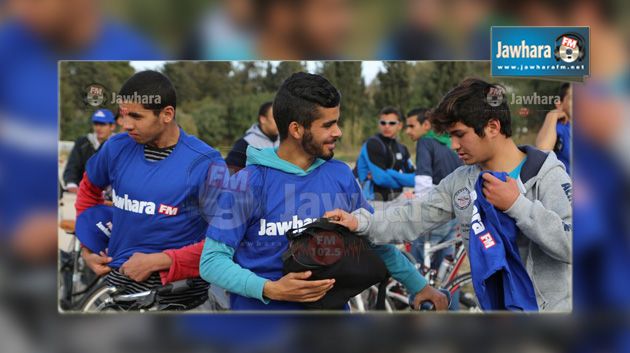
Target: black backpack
x=329, y=250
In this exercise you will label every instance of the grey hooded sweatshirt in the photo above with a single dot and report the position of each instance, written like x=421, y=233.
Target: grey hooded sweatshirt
x=542, y=213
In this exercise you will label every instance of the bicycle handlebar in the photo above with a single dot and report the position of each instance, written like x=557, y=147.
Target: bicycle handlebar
x=428, y=305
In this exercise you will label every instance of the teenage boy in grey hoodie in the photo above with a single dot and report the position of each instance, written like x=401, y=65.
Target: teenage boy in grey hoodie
x=538, y=197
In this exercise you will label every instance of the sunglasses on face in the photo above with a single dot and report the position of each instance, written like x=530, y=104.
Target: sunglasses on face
x=390, y=123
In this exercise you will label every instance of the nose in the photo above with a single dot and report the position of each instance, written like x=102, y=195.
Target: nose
x=455, y=143
x=337, y=132
x=127, y=123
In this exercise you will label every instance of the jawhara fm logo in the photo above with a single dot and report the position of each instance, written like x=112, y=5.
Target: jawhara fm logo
x=569, y=48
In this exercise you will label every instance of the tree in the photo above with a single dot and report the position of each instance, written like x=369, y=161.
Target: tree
x=195, y=81
x=275, y=77
x=346, y=76
x=394, y=85
x=75, y=77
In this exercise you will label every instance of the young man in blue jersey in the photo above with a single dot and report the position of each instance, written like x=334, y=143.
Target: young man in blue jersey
x=282, y=189
x=292, y=184
x=537, y=195
x=156, y=172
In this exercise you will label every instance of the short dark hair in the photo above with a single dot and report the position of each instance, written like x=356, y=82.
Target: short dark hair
x=151, y=84
x=420, y=113
x=298, y=99
x=564, y=90
x=264, y=109
x=470, y=104
x=392, y=110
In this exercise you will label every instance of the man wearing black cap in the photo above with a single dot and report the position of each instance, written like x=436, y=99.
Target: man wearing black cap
x=103, y=126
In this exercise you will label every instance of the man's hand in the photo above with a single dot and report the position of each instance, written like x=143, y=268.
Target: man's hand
x=96, y=262
x=294, y=287
x=343, y=218
x=557, y=115
x=72, y=189
x=140, y=266
x=501, y=195
x=435, y=296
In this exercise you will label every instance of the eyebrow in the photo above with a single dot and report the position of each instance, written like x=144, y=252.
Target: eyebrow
x=330, y=122
x=134, y=114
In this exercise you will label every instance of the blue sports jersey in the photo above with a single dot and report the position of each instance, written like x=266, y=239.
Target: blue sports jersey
x=156, y=204
x=267, y=203
x=94, y=227
x=500, y=280
x=563, y=144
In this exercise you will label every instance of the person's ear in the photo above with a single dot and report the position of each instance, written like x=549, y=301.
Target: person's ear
x=426, y=124
x=167, y=114
x=296, y=130
x=493, y=128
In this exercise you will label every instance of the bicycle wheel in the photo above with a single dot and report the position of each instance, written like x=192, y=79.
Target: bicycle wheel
x=467, y=299
x=98, y=299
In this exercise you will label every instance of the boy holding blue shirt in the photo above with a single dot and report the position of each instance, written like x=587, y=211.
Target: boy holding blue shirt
x=537, y=195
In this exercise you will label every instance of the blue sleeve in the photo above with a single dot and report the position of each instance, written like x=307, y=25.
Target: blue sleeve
x=401, y=268
x=230, y=204
x=379, y=175
x=98, y=166
x=424, y=162
x=356, y=198
x=362, y=164
x=404, y=179
x=218, y=267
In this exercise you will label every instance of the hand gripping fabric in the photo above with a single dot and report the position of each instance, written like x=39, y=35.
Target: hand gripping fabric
x=499, y=277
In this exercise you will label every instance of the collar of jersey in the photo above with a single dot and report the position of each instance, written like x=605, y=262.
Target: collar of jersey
x=268, y=157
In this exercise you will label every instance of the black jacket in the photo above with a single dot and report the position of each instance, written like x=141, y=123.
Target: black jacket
x=81, y=152
x=390, y=154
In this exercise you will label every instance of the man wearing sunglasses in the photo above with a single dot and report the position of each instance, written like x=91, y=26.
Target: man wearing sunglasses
x=389, y=159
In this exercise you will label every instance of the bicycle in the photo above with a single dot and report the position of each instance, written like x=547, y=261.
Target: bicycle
x=105, y=297
x=74, y=277
x=396, y=296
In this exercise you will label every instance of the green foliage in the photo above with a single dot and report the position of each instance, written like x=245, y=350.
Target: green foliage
x=394, y=86
x=346, y=76
x=75, y=77
x=218, y=101
x=209, y=117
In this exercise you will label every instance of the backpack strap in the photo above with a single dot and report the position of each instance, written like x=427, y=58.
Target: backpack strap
x=380, y=298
